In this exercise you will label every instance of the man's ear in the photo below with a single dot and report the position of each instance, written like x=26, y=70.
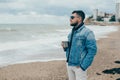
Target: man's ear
x=80, y=19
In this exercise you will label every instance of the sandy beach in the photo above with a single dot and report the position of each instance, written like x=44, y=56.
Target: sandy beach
x=106, y=65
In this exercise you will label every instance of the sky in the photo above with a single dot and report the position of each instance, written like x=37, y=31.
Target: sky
x=48, y=11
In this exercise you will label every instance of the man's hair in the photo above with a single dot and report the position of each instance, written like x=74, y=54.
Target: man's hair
x=80, y=13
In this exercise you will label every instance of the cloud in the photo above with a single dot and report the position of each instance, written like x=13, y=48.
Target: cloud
x=33, y=18
x=58, y=8
x=6, y=1
x=117, y=1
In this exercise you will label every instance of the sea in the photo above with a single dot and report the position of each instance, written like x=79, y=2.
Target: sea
x=23, y=43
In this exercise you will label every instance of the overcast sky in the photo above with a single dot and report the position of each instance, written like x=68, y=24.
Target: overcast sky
x=49, y=11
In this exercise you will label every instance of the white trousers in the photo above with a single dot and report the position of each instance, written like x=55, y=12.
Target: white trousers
x=75, y=73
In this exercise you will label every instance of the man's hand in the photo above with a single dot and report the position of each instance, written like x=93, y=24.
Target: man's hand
x=77, y=66
x=62, y=44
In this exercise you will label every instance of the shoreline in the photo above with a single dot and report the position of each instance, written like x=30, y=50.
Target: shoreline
x=106, y=59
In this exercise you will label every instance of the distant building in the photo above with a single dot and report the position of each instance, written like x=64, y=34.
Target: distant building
x=104, y=16
x=117, y=10
x=95, y=14
x=100, y=13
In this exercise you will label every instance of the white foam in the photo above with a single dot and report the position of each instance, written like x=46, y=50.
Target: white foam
x=53, y=40
x=45, y=41
x=102, y=31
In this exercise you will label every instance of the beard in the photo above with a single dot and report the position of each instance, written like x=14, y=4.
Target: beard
x=74, y=24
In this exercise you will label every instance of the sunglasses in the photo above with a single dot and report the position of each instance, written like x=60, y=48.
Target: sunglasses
x=72, y=17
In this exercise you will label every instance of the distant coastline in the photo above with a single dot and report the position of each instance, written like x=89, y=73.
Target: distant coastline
x=100, y=23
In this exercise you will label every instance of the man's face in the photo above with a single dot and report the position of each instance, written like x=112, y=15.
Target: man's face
x=75, y=19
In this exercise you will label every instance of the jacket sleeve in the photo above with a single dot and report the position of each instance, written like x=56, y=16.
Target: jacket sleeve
x=91, y=48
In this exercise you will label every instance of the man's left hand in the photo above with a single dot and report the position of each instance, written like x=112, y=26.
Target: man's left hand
x=77, y=66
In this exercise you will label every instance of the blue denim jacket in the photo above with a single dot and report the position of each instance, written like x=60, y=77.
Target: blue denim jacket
x=83, y=48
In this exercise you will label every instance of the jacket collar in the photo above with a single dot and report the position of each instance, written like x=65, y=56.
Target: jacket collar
x=80, y=27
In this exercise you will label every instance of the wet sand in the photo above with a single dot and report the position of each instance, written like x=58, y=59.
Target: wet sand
x=106, y=65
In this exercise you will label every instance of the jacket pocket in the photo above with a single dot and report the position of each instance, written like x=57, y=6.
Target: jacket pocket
x=80, y=41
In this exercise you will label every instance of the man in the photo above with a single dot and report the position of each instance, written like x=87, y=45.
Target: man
x=81, y=48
